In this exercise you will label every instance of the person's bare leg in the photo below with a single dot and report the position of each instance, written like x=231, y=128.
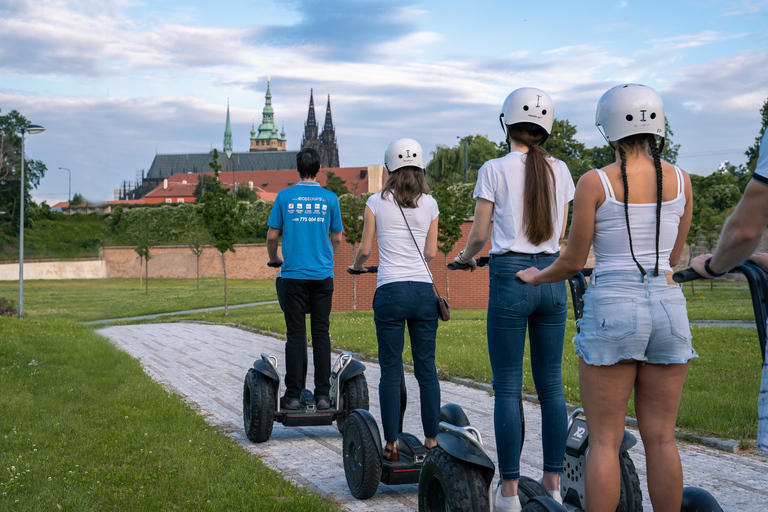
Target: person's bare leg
x=551, y=481
x=605, y=392
x=509, y=488
x=657, y=399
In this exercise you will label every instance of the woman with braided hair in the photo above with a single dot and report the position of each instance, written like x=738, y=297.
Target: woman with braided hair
x=634, y=334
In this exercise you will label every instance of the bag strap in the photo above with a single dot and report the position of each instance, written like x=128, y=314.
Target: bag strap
x=418, y=249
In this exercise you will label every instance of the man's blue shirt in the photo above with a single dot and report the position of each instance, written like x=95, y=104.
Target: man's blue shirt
x=306, y=213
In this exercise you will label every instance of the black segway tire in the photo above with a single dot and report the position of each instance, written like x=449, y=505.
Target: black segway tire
x=543, y=504
x=449, y=484
x=258, y=406
x=527, y=488
x=354, y=396
x=631, y=498
x=362, y=464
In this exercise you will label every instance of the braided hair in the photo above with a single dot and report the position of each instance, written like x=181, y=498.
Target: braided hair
x=633, y=141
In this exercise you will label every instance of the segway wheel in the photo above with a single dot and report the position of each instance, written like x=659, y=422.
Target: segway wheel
x=362, y=464
x=354, y=396
x=447, y=483
x=258, y=406
x=528, y=488
x=543, y=504
x=631, y=499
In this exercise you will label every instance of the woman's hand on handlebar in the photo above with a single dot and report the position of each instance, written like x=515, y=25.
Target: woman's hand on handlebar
x=356, y=269
x=760, y=259
x=471, y=263
x=528, y=275
x=697, y=264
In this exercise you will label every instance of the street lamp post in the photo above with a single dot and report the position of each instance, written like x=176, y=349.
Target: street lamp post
x=69, y=193
x=31, y=129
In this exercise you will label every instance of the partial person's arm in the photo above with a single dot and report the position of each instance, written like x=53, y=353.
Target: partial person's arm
x=585, y=202
x=430, y=248
x=685, y=222
x=273, y=235
x=336, y=240
x=366, y=242
x=760, y=259
x=741, y=234
x=565, y=222
x=478, y=235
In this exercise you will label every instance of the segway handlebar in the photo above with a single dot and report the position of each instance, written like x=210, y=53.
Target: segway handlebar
x=366, y=270
x=480, y=262
x=274, y=265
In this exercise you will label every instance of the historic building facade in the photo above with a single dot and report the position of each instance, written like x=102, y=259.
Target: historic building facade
x=324, y=143
x=267, y=138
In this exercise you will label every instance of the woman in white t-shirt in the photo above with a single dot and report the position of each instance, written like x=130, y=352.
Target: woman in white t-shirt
x=526, y=195
x=404, y=293
x=634, y=335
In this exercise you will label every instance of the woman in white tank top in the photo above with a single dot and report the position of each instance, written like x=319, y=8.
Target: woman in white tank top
x=634, y=334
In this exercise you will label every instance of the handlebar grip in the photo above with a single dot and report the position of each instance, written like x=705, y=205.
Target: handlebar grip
x=275, y=265
x=683, y=276
x=366, y=270
x=457, y=266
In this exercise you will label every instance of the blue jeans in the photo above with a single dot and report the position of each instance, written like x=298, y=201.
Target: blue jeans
x=394, y=306
x=511, y=308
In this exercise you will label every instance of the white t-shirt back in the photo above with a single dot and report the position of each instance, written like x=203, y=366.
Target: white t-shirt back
x=399, y=259
x=502, y=182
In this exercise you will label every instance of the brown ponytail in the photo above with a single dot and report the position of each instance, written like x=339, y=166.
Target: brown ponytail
x=406, y=186
x=539, y=190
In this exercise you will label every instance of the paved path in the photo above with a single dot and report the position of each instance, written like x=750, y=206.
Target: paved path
x=206, y=365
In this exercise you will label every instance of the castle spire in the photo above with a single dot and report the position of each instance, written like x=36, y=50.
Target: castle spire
x=328, y=120
x=228, y=135
x=311, y=121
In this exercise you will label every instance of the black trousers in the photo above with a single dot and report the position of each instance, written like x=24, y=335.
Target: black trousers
x=299, y=296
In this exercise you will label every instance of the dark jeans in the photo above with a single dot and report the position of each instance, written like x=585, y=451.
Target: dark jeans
x=511, y=308
x=315, y=296
x=394, y=306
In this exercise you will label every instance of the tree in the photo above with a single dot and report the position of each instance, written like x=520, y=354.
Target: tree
x=246, y=194
x=141, y=230
x=204, y=182
x=352, y=212
x=335, y=184
x=562, y=144
x=77, y=200
x=448, y=162
x=222, y=217
x=11, y=125
x=670, y=151
x=197, y=236
x=754, y=150
x=455, y=206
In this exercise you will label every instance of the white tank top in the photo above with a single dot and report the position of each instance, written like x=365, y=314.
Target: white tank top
x=611, y=242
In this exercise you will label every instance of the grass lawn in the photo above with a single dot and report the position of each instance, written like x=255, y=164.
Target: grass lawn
x=719, y=398
x=84, y=428
x=95, y=299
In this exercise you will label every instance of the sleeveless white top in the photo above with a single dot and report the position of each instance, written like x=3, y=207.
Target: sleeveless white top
x=611, y=242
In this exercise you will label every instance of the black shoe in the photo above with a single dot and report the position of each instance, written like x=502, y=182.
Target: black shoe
x=323, y=402
x=289, y=404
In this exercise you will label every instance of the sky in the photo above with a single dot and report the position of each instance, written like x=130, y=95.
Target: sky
x=115, y=82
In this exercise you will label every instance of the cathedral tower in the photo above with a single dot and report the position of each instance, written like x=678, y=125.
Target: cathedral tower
x=267, y=139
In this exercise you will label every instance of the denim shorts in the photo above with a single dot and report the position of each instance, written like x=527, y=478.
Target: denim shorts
x=628, y=316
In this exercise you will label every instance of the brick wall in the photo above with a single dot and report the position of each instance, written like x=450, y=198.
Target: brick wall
x=466, y=290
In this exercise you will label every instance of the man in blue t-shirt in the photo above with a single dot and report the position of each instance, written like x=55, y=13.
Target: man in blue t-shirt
x=306, y=213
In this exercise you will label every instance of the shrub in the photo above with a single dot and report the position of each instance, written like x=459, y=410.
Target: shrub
x=7, y=308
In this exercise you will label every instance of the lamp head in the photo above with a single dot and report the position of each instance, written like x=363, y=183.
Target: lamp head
x=33, y=129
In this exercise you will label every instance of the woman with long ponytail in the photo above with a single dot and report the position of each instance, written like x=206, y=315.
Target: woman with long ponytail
x=634, y=335
x=525, y=194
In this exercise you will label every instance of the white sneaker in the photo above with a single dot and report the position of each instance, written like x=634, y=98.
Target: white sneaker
x=504, y=503
x=556, y=496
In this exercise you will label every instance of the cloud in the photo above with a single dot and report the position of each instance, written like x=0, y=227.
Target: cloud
x=692, y=40
x=744, y=8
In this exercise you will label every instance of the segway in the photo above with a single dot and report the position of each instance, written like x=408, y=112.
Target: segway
x=453, y=475
x=533, y=496
x=262, y=390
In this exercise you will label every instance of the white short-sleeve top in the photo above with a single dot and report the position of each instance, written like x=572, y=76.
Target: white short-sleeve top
x=399, y=259
x=502, y=181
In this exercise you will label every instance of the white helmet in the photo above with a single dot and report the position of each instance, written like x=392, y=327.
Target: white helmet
x=403, y=152
x=630, y=109
x=528, y=105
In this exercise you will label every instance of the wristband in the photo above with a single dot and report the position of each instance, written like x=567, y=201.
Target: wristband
x=461, y=253
x=710, y=271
